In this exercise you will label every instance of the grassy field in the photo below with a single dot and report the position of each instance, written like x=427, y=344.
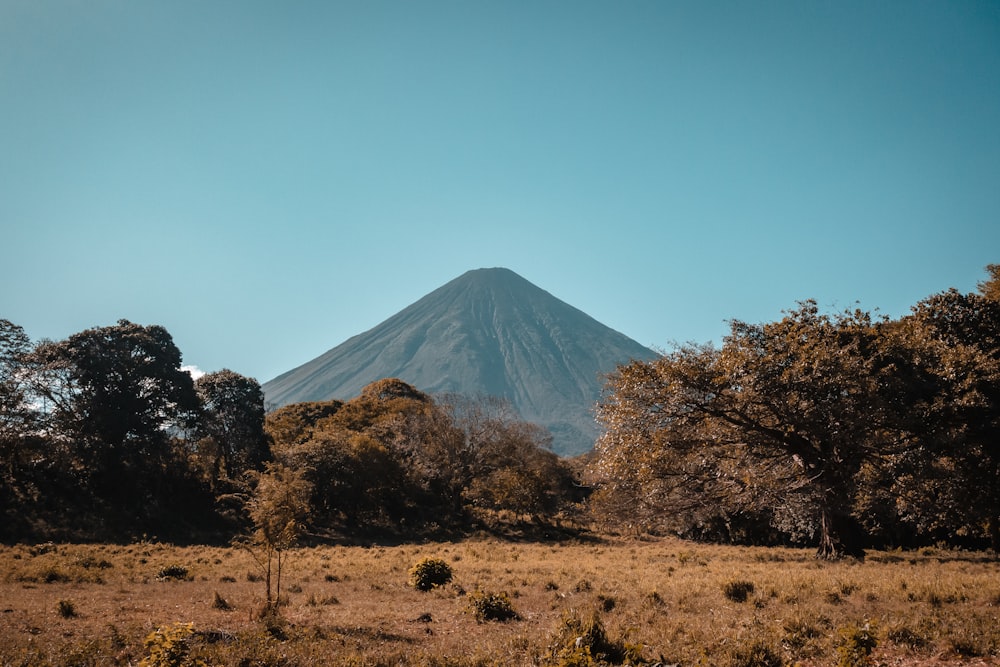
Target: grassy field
x=664, y=600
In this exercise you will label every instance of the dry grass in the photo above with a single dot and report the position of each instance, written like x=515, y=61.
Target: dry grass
x=355, y=606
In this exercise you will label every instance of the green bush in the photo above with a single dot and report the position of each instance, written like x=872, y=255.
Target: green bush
x=856, y=645
x=430, y=573
x=168, y=647
x=492, y=607
x=586, y=644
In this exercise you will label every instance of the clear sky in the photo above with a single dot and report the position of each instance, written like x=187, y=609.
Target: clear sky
x=267, y=179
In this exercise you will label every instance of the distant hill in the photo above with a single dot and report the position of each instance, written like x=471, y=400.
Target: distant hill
x=489, y=331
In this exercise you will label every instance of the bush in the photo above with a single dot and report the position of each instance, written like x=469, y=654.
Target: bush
x=221, y=603
x=168, y=647
x=738, y=591
x=756, y=654
x=173, y=571
x=856, y=645
x=430, y=573
x=492, y=607
x=586, y=644
x=67, y=609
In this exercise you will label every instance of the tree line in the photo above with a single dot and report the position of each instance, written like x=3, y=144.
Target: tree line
x=104, y=436
x=843, y=429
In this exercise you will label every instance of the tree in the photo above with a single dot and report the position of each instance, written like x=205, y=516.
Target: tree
x=18, y=419
x=503, y=462
x=785, y=414
x=232, y=423
x=116, y=396
x=953, y=486
x=990, y=288
x=278, y=507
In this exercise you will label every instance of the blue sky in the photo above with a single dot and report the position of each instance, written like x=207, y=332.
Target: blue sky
x=267, y=179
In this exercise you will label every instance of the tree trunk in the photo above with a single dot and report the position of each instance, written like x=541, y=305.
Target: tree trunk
x=267, y=577
x=827, y=549
x=837, y=537
x=277, y=592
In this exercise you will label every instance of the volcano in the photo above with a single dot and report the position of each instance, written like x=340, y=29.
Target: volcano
x=490, y=332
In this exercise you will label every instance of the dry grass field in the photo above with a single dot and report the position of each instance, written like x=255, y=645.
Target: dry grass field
x=665, y=600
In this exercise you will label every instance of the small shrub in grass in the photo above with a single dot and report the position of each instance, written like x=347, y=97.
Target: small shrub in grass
x=172, y=571
x=904, y=636
x=51, y=575
x=738, y=591
x=168, y=647
x=67, y=609
x=856, y=645
x=582, y=643
x=221, y=603
x=274, y=623
x=430, y=573
x=326, y=600
x=755, y=654
x=492, y=607
x=798, y=633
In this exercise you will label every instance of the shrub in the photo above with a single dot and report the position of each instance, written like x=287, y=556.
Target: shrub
x=492, y=607
x=430, y=573
x=66, y=609
x=172, y=571
x=756, y=654
x=168, y=647
x=221, y=603
x=904, y=636
x=52, y=575
x=274, y=623
x=326, y=600
x=738, y=591
x=586, y=644
x=856, y=645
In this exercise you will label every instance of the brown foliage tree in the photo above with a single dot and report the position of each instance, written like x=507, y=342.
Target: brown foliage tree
x=784, y=413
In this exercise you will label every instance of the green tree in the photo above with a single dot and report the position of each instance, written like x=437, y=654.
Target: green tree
x=951, y=483
x=19, y=421
x=232, y=423
x=785, y=414
x=116, y=397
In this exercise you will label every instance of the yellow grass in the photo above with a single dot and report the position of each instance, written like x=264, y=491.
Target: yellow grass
x=353, y=605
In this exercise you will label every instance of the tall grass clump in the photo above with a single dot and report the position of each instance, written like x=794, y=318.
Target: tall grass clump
x=755, y=654
x=738, y=591
x=66, y=609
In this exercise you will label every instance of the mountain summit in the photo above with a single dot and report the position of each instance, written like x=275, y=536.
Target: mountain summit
x=489, y=331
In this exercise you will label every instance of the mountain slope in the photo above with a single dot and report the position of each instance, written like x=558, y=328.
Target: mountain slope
x=489, y=331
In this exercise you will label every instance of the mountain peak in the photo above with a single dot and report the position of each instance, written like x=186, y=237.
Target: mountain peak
x=488, y=331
